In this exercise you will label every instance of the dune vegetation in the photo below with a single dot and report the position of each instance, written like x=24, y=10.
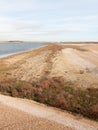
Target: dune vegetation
x=52, y=75
x=58, y=93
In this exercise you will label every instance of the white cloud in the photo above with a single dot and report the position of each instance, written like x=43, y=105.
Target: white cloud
x=48, y=18
x=15, y=28
x=10, y=24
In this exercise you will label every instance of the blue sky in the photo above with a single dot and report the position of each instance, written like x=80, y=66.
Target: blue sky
x=49, y=20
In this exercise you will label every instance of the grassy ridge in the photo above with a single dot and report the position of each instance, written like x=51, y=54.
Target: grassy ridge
x=58, y=93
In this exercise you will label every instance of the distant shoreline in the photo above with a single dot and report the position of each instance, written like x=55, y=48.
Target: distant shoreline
x=45, y=44
x=69, y=42
x=12, y=42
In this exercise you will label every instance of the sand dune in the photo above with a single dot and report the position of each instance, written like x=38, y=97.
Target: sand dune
x=54, y=60
x=75, y=63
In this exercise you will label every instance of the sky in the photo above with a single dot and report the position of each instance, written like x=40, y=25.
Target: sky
x=49, y=20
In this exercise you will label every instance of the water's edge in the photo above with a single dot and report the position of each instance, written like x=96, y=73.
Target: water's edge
x=11, y=49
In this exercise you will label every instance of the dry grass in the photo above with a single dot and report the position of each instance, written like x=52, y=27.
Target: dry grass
x=58, y=93
x=54, y=75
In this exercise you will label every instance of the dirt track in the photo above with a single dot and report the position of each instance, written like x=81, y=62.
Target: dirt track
x=13, y=119
x=24, y=114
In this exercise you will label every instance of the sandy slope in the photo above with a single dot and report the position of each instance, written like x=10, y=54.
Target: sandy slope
x=50, y=61
x=24, y=114
x=54, y=60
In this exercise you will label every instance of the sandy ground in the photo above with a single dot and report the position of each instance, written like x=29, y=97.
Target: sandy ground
x=24, y=114
x=54, y=60
x=13, y=119
x=67, y=61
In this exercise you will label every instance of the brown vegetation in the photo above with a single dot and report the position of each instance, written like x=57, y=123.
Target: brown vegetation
x=58, y=93
x=63, y=76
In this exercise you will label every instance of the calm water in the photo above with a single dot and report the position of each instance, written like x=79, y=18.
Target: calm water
x=11, y=48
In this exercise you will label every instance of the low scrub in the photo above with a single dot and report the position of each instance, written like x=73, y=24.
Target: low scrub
x=58, y=93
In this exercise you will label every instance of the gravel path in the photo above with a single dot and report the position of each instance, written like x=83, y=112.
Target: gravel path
x=70, y=53
x=13, y=119
x=47, y=113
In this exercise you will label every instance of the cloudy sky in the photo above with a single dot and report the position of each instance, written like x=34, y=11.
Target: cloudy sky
x=49, y=20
